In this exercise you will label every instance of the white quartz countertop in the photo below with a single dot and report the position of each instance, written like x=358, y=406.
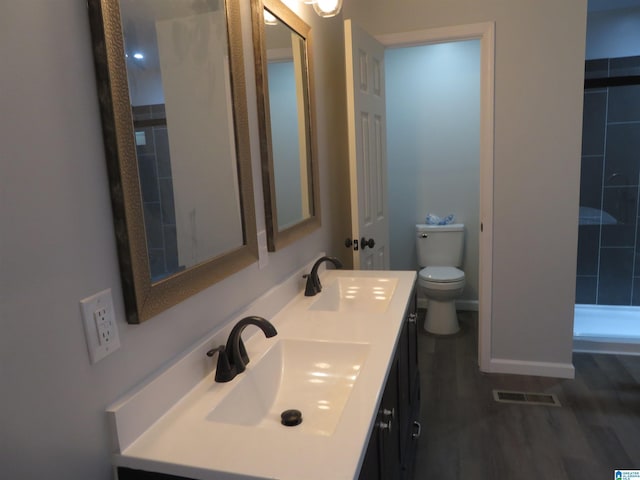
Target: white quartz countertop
x=186, y=442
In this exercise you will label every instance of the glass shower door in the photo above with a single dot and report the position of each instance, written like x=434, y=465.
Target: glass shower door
x=608, y=267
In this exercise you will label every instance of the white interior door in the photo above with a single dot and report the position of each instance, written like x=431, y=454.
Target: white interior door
x=367, y=149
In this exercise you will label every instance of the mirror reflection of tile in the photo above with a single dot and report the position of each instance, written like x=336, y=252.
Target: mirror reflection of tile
x=154, y=168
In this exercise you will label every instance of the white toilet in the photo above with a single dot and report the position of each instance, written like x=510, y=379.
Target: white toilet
x=440, y=249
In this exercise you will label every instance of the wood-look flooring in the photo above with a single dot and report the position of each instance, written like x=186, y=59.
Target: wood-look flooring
x=467, y=435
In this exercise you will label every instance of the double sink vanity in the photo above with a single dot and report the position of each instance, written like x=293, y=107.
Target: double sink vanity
x=340, y=360
x=345, y=359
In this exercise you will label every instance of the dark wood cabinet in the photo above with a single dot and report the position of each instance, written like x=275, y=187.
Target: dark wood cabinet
x=392, y=446
x=125, y=473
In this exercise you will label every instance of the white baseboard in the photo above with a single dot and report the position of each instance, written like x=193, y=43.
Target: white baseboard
x=469, y=305
x=542, y=369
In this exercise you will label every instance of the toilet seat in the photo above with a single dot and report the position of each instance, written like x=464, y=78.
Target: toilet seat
x=441, y=275
x=450, y=287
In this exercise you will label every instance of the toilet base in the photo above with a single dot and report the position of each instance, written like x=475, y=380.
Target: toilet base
x=442, y=318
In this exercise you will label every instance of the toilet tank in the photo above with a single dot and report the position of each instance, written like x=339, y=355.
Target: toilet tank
x=440, y=245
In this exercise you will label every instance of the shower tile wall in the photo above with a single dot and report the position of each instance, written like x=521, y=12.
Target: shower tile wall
x=152, y=146
x=608, y=270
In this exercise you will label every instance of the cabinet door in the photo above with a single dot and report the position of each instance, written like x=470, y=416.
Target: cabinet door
x=408, y=378
x=412, y=347
x=371, y=464
x=383, y=460
x=389, y=426
x=411, y=409
x=125, y=473
x=403, y=408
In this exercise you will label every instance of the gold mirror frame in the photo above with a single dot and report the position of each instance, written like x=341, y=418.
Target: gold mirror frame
x=143, y=298
x=277, y=238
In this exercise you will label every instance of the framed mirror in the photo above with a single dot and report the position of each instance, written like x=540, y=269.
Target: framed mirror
x=284, y=77
x=171, y=89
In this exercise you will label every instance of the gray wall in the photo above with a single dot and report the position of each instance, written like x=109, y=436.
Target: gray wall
x=538, y=109
x=57, y=245
x=57, y=242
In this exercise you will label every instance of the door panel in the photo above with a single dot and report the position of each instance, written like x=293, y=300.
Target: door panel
x=367, y=147
x=367, y=261
x=364, y=167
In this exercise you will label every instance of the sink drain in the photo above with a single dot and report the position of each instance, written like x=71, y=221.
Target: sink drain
x=291, y=418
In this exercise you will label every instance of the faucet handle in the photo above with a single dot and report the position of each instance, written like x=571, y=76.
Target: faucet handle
x=215, y=350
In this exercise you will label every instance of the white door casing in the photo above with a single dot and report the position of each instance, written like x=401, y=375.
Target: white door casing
x=366, y=116
x=485, y=32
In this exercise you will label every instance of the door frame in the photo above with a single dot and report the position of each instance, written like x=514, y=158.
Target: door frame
x=485, y=32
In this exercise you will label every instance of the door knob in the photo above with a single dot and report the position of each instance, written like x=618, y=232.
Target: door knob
x=349, y=243
x=385, y=426
x=367, y=243
x=389, y=414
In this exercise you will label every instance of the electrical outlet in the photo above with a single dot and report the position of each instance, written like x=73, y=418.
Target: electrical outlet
x=100, y=325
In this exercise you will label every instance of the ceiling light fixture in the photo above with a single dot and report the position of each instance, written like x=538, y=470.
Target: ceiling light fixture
x=327, y=8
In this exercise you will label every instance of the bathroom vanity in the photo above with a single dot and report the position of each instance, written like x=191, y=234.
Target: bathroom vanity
x=346, y=358
x=392, y=445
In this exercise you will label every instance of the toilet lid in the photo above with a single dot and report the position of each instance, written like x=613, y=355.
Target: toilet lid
x=442, y=274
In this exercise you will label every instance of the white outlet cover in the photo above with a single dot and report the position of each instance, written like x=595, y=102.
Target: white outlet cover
x=96, y=325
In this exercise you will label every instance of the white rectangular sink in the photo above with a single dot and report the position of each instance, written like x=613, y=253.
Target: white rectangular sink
x=329, y=360
x=314, y=377
x=356, y=294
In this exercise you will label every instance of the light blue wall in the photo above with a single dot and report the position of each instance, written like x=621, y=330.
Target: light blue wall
x=285, y=142
x=433, y=145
